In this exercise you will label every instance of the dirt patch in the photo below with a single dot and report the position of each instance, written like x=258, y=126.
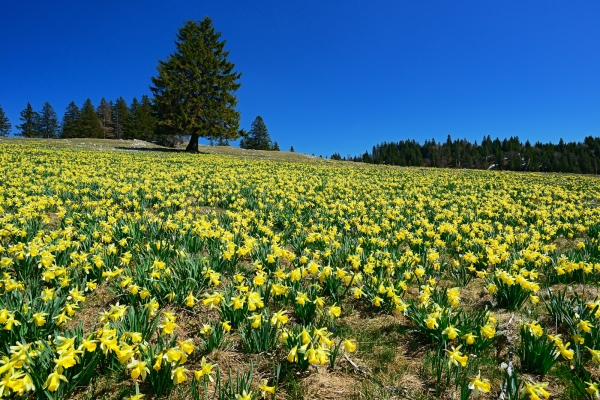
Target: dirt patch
x=88, y=314
x=327, y=385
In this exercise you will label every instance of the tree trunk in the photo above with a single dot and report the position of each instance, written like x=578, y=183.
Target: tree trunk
x=192, y=146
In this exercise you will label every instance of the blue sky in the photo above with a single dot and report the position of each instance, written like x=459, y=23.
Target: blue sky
x=330, y=76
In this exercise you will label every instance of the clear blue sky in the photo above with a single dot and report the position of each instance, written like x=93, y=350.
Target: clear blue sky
x=330, y=76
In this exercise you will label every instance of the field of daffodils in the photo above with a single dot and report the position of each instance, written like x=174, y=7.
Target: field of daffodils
x=148, y=274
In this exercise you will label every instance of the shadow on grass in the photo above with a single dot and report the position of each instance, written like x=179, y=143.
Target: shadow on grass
x=159, y=149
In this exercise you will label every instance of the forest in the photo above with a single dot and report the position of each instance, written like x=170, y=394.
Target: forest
x=509, y=154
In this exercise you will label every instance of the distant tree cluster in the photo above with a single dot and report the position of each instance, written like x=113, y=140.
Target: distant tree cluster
x=258, y=137
x=109, y=121
x=509, y=154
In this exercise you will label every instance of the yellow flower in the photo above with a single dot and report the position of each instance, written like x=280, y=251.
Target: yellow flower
x=431, y=323
x=293, y=354
x=158, y=363
x=479, y=385
x=89, y=345
x=451, y=331
x=279, y=318
x=206, y=369
x=595, y=354
x=39, y=318
x=256, y=320
x=206, y=329
x=53, y=381
x=264, y=388
x=334, y=311
x=226, y=326
x=350, y=345
x=563, y=351
x=187, y=346
x=138, y=368
x=593, y=389
x=456, y=357
x=585, y=326
x=244, y=396
x=488, y=331
x=190, y=300
x=469, y=338
x=179, y=374
x=535, y=390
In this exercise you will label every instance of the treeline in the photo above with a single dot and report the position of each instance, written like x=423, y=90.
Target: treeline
x=110, y=120
x=509, y=154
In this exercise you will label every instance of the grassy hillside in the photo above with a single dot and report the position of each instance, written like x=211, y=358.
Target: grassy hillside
x=130, y=269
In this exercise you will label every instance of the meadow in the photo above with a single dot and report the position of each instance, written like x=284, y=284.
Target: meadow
x=130, y=272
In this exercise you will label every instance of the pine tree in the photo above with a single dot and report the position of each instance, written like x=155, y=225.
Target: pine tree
x=134, y=132
x=104, y=113
x=89, y=124
x=70, y=122
x=5, y=124
x=143, y=121
x=291, y=149
x=49, y=127
x=146, y=119
x=194, y=91
x=258, y=137
x=275, y=146
x=30, y=127
x=121, y=119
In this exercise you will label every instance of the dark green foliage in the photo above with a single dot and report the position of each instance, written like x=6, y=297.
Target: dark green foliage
x=48, y=123
x=275, y=146
x=4, y=123
x=509, y=154
x=30, y=127
x=258, y=137
x=291, y=149
x=222, y=142
x=536, y=353
x=104, y=113
x=70, y=127
x=194, y=92
x=142, y=120
x=121, y=116
x=88, y=124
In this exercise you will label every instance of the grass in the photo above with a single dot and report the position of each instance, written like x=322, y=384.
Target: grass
x=390, y=356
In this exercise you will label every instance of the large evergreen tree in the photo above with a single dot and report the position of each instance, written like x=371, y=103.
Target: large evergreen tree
x=31, y=123
x=258, y=137
x=49, y=127
x=104, y=113
x=89, y=124
x=70, y=122
x=121, y=119
x=194, y=91
x=5, y=124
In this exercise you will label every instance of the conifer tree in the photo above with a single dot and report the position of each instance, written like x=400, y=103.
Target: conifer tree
x=194, y=92
x=104, y=113
x=5, y=124
x=89, y=124
x=30, y=127
x=70, y=122
x=143, y=121
x=258, y=137
x=275, y=146
x=291, y=149
x=121, y=119
x=49, y=127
